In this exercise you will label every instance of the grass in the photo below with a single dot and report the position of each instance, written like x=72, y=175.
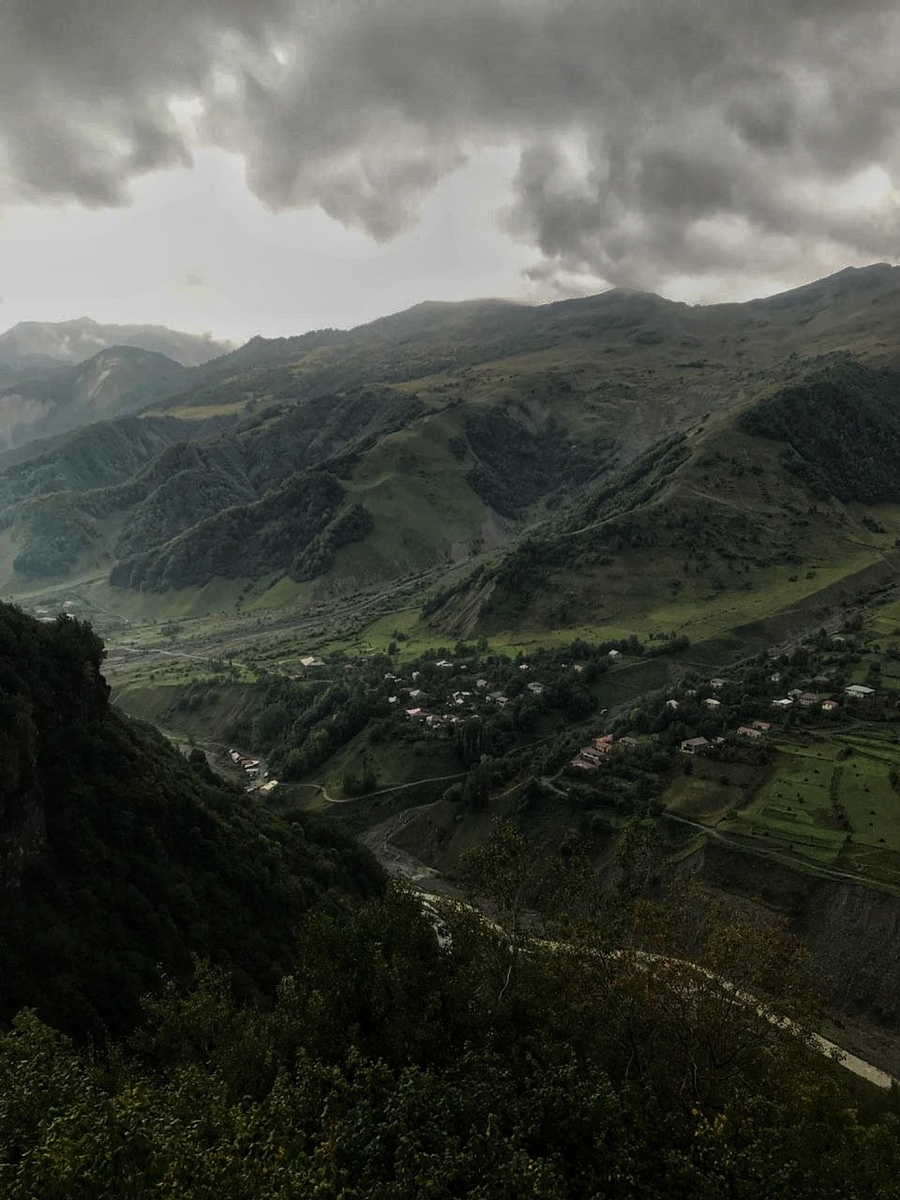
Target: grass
x=414, y=488
x=794, y=805
x=711, y=790
x=393, y=762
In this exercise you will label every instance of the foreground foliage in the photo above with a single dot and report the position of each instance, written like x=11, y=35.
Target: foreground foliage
x=395, y=1064
x=118, y=858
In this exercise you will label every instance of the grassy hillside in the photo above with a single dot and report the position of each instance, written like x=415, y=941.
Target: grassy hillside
x=749, y=513
x=453, y=431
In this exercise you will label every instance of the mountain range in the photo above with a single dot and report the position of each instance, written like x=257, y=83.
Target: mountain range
x=42, y=343
x=56, y=376
x=570, y=465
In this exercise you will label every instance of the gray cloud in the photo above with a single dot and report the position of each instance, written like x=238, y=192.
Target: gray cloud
x=669, y=138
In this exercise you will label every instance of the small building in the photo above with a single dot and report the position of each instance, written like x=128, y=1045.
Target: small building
x=673, y=704
x=829, y=705
x=712, y=703
x=856, y=691
x=749, y=731
x=786, y=702
x=535, y=687
x=614, y=654
x=762, y=726
x=524, y=667
x=481, y=683
x=498, y=698
x=268, y=788
x=584, y=764
x=310, y=660
x=717, y=684
x=696, y=745
x=444, y=664
x=809, y=699
x=416, y=714
x=628, y=741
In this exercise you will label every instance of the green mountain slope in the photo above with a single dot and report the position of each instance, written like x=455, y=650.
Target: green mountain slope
x=753, y=512
x=448, y=432
x=616, y=331
x=119, y=859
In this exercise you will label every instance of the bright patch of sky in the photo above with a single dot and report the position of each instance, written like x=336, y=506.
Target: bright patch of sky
x=196, y=250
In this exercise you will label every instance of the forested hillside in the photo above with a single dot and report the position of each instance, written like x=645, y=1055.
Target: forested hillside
x=120, y=860
x=842, y=430
x=481, y=1064
x=114, y=383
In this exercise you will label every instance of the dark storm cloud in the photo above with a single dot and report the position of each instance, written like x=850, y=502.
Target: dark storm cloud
x=655, y=139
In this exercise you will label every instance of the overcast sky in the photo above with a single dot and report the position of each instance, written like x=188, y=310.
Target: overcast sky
x=278, y=165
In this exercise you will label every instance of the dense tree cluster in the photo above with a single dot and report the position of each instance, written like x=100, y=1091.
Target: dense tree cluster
x=201, y=499
x=832, y=423
x=401, y=1064
x=118, y=858
x=294, y=529
x=514, y=467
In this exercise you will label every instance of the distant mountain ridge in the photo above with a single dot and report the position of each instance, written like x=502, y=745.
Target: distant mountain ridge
x=115, y=382
x=74, y=341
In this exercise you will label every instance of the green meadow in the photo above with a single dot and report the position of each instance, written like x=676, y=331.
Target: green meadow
x=824, y=800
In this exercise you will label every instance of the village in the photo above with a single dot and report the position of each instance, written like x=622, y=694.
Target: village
x=592, y=756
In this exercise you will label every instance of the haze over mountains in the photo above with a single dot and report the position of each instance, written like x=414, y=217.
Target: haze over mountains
x=74, y=341
x=56, y=376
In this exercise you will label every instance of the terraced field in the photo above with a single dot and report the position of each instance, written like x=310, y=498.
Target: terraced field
x=828, y=800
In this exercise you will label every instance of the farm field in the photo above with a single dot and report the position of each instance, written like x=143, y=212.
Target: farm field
x=827, y=800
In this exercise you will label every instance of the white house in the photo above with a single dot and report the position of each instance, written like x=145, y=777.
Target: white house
x=696, y=745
